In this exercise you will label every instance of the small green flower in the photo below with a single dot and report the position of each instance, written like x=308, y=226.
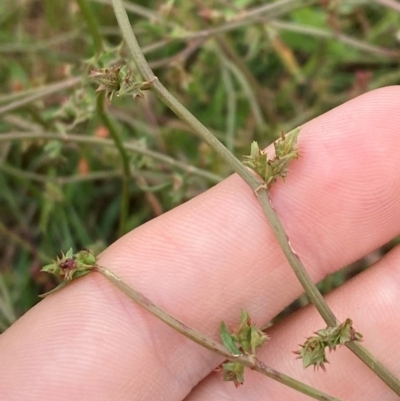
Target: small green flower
x=244, y=340
x=118, y=80
x=70, y=266
x=109, y=80
x=271, y=169
x=312, y=352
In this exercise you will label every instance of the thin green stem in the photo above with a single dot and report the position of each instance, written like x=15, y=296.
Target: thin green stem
x=340, y=37
x=28, y=175
x=165, y=96
x=249, y=93
x=301, y=273
x=7, y=310
x=92, y=25
x=255, y=184
x=18, y=136
x=208, y=342
x=37, y=94
x=38, y=46
x=264, y=98
x=124, y=158
x=256, y=14
x=231, y=107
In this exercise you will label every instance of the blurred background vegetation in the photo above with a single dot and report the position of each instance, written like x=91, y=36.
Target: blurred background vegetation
x=247, y=69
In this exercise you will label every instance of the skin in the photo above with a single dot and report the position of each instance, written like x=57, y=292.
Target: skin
x=215, y=255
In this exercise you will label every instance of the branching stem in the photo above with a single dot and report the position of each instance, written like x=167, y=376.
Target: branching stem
x=132, y=147
x=208, y=342
x=112, y=129
x=255, y=183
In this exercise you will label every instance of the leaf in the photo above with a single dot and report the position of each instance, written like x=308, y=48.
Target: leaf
x=228, y=341
x=69, y=254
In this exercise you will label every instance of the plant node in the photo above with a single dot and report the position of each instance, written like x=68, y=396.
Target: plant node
x=271, y=169
x=244, y=340
x=312, y=352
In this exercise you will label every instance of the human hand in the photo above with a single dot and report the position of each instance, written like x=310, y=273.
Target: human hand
x=213, y=256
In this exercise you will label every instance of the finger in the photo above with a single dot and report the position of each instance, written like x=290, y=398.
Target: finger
x=209, y=258
x=371, y=300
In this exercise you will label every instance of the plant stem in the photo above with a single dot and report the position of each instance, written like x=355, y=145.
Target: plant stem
x=254, y=105
x=92, y=25
x=254, y=182
x=301, y=273
x=264, y=98
x=37, y=94
x=165, y=96
x=208, y=342
x=18, y=136
x=39, y=46
x=124, y=158
x=231, y=106
x=28, y=175
x=338, y=36
x=98, y=45
x=315, y=296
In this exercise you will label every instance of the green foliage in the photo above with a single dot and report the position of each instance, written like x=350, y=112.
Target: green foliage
x=247, y=84
x=244, y=340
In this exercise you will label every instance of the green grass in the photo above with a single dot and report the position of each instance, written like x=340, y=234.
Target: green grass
x=244, y=82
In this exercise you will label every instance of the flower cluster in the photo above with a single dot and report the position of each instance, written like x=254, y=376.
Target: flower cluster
x=70, y=266
x=312, y=352
x=271, y=169
x=244, y=340
x=119, y=81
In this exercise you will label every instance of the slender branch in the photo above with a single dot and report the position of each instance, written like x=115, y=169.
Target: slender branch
x=276, y=8
x=107, y=121
x=340, y=37
x=6, y=305
x=37, y=94
x=264, y=98
x=262, y=194
x=208, y=342
x=28, y=175
x=92, y=25
x=251, y=96
x=136, y=9
x=17, y=136
x=301, y=273
x=231, y=107
x=264, y=14
x=172, y=102
x=240, y=169
x=38, y=46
